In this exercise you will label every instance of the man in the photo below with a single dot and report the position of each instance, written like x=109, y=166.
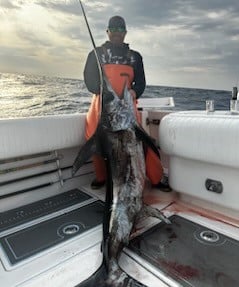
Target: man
x=121, y=65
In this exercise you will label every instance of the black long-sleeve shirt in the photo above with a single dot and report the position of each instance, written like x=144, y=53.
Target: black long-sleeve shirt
x=113, y=54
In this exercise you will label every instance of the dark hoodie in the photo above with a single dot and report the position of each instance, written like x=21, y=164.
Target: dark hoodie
x=114, y=54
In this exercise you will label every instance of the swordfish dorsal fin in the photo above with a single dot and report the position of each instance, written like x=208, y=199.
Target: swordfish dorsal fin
x=88, y=149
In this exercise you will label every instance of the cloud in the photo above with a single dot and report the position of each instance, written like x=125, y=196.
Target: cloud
x=8, y=4
x=183, y=42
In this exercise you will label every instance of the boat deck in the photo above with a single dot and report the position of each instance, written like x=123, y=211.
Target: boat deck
x=51, y=222
x=34, y=238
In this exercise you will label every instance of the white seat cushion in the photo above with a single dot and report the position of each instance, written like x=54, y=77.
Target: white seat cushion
x=196, y=135
x=26, y=136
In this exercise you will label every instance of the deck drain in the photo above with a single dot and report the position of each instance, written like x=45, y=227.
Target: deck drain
x=209, y=236
x=70, y=229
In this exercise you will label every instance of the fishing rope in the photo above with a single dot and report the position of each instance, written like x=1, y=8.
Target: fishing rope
x=109, y=183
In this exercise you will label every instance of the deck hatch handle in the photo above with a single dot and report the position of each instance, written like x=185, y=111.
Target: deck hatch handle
x=209, y=236
x=71, y=229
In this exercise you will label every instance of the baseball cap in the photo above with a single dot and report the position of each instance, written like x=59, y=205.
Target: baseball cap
x=117, y=22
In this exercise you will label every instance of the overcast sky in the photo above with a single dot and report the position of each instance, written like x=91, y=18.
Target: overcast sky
x=184, y=43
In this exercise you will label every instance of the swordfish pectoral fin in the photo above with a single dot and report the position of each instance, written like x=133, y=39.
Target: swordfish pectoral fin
x=145, y=138
x=149, y=211
x=87, y=150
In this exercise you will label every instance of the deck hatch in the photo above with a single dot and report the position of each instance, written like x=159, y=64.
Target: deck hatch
x=181, y=253
x=30, y=241
x=26, y=213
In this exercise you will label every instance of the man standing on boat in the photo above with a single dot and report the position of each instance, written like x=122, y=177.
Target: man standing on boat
x=121, y=65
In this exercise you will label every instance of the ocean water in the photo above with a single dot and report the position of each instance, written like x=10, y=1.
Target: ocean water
x=23, y=95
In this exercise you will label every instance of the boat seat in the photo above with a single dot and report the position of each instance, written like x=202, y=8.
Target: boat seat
x=38, y=152
x=24, y=136
x=202, y=158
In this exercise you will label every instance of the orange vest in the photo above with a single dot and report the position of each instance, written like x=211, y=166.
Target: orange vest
x=118, y=75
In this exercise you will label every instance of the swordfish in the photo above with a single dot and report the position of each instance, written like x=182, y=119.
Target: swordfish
x=119, y=140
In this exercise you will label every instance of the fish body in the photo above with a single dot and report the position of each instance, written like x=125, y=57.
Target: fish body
x=119, y=139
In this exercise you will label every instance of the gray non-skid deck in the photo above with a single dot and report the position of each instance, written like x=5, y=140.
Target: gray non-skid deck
x=187, y=252
x=38, y=209
x=190, y=253
x=23, y=244
x=29, y=241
